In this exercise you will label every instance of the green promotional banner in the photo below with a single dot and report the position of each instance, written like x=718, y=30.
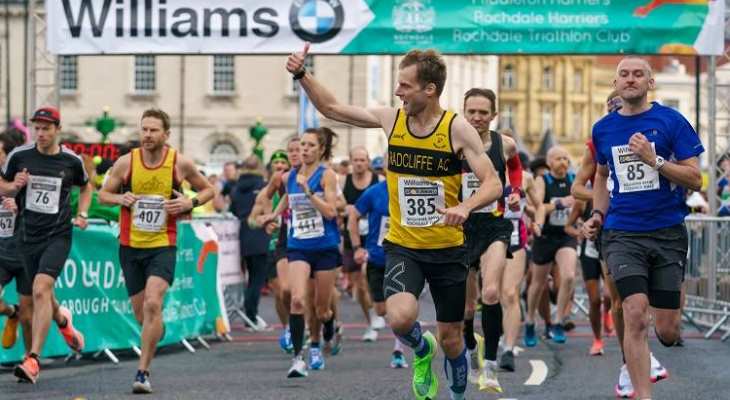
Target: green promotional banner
x=386, y=26
x=92, y=287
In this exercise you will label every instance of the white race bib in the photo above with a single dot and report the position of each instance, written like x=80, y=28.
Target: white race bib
x=514, y=240
x=43, y=194
x=7, y=223
x=509, y=214
x=363, y=226
x=384, y=226
x=307, y=221
x=469, y=185
x=148, y=214
x=591, y=250
x=633, y=174
x=419, y=198
x=559, y=217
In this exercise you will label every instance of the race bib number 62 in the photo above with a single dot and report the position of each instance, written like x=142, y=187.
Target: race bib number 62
x=419, y=198
x=633, y=174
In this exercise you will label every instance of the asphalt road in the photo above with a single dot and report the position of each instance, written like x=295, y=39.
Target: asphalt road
x=252, y=367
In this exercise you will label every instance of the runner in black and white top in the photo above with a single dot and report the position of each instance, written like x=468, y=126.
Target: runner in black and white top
x=40, y=175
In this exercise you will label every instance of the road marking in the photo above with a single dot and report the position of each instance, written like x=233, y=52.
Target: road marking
x=539, y=373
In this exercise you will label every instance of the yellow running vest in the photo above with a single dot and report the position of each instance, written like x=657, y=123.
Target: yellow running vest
x=146, y=225
x=424, y=174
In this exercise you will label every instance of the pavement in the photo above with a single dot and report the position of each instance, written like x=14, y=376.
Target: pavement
x=252, y=367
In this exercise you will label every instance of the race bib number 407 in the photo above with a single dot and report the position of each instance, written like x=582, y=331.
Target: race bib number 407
x=43, y=194
x=633, y=174
x=419, y=198
x=149, y=215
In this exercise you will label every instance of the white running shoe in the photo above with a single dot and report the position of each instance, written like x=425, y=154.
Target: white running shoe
x=624, y=388
x=658, y=372
x=298, y=368
x=488, y=380
x=371, y=335
x=472, y=357
x=378, y=323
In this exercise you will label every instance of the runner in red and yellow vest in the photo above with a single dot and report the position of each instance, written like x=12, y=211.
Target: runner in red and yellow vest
x=146, y=225
x=147, y=184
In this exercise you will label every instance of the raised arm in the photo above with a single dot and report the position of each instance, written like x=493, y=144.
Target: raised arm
x=327, y=104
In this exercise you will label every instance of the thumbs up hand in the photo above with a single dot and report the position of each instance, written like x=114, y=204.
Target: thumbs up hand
x=295, y=62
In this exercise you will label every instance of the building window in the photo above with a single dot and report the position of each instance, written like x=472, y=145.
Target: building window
x=578, y=81
x=508, y=77
x=577, y=131
x=547, y=78
x=547, y=117
x=224, y=74
x=144, y=74
x=222, y=152
x=68, y=73
x=506, y=116
x=309, y=65
x=671, y=103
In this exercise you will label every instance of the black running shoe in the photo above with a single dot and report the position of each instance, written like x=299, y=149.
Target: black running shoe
x=507, y=361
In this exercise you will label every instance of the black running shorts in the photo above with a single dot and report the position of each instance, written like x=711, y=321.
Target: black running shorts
x=445, y=270
x=47, y=258
x=139, y=264
x=14, y=270
x=480, y=231
x=544, y=248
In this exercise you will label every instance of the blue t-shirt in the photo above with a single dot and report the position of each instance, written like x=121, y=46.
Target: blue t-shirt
x=374, y=204
x=641, y=198
x=308, y=228
x=723, y=188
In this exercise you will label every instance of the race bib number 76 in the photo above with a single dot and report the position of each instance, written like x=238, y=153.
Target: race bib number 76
x=633, y=174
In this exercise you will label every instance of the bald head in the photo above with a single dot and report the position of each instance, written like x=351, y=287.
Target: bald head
x=360, y=160
x=558, y=161
x=633, y=63
x=360, y=151
x=633, y=82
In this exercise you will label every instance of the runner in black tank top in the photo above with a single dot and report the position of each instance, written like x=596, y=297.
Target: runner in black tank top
x=488, y=236
x=361, y=174
x=552, y=244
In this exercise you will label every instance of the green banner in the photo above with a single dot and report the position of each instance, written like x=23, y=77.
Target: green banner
x=92, y=287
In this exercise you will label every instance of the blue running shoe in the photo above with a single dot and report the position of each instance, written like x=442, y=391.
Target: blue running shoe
x=530, y=338
x=316, y=360
x=285, y=341
x=558, y=333
x=398, y=360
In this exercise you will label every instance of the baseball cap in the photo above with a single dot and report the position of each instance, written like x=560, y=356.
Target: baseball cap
x=279, y=155
x=378, y=163
x=48, y=114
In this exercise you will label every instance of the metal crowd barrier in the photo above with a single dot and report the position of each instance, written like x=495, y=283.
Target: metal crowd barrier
x=708, y=274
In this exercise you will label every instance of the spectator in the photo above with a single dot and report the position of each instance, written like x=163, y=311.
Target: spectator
x=253, y=242
x=723, y=187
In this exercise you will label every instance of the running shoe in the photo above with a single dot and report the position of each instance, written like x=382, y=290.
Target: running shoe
x=624, y=388
x=425, y=382
x=337, y=341
x=298, y=368
x=142, y=383
x=568, y=325
x=596, y=348
x=28, y=370
x=547, y=334
x=370, y=336
x=488, y=380
x=10, y=332
x=507, y=361
x=476, y=360
x=658, y=372
x=530, y=339
x=398, y=360
x=378, y=323
x=316, y=360
x=74, y=339
x=285, y=341
x=608, y=327
x=558, y=333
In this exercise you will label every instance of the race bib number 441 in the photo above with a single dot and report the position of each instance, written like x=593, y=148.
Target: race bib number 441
x=43, y=194
x=632, y=173
x=419, y=198
x=306, y=220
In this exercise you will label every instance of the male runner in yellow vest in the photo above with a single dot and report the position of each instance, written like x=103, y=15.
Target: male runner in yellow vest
x=425, y=239
x=146, y=183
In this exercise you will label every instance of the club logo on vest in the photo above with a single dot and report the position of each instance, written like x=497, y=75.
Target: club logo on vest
x=316, y=21
x=439, y=141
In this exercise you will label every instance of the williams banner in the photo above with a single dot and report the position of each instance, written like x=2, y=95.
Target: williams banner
x=386, y=26
x=92, y=287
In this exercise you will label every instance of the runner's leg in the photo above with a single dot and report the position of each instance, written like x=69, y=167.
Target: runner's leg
x=493, y=262
x=299, y=272
x=154, y=294
x=511, y=280
x=566, y=260
x=42, y=310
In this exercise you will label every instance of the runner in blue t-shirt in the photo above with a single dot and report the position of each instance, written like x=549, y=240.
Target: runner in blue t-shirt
x=647, y=155
x=374, y=203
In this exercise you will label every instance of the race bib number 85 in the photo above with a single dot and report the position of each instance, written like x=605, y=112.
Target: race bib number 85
x=632, y=173
x=419, y=198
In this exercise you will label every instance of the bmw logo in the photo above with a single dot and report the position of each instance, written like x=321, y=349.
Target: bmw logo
x=316, y=21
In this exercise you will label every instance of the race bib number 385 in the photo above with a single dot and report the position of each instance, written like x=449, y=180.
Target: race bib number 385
x=419, y=198
x=43, y=194
x=632, y=173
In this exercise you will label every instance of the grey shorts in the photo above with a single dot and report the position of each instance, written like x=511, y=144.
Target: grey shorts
x=658, y=256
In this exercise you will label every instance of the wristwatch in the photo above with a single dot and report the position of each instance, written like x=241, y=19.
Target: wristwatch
x=658, y=163
x=299, y=75
x=196, y=202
